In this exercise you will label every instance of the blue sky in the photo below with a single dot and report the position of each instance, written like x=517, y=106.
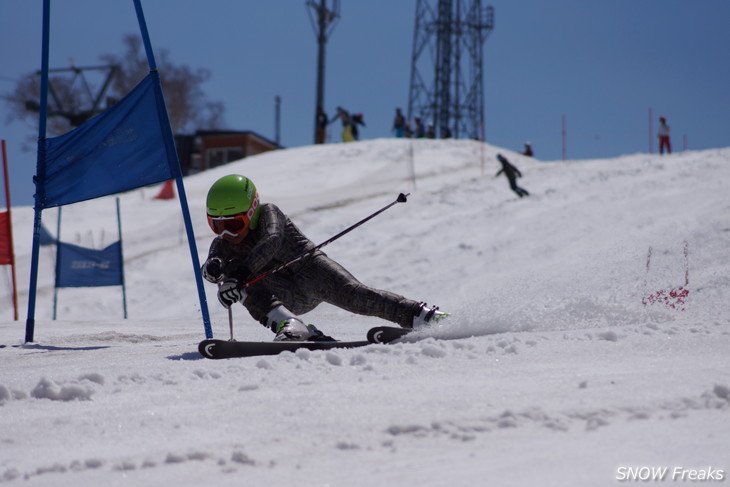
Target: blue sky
x=601, y=64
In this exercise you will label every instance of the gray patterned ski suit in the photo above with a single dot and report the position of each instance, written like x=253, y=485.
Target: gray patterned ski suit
x=305, y=284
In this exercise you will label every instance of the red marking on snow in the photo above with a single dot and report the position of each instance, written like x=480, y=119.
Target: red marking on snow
x=671, y=298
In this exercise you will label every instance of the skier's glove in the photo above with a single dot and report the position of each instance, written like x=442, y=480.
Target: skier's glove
x=213, y=270
x=229, y=293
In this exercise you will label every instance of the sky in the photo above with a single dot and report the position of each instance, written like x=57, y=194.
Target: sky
x=603, y=66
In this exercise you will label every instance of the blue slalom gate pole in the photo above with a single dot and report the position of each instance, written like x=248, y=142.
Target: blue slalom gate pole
x=121, y=260
x=40, y=175
x=174, y=164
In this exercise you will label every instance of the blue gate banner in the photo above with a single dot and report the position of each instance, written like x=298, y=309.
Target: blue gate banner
x=82, y=267
x=118, y=150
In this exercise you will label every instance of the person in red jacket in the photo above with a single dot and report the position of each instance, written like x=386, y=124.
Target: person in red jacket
x=663, y=134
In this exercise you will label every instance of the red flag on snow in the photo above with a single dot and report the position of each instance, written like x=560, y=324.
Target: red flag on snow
x=6, y=254
x=167, y=192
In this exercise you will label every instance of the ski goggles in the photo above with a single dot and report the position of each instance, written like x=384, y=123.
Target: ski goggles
x=233, y=225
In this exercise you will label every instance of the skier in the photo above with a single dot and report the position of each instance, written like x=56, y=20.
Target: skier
x=255, y=237
x=512, y=174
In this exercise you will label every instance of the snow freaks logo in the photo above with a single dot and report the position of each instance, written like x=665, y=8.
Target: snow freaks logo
x=676, y=474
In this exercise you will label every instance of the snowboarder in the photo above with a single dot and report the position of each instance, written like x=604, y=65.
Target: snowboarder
x=663, y=135
x=512, y=173
x=255, y=237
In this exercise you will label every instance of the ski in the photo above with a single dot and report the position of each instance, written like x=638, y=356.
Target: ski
x=219, y=349
x=387, y=334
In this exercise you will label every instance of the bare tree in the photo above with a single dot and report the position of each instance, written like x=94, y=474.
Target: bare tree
x=187, y=104
x=23, y=102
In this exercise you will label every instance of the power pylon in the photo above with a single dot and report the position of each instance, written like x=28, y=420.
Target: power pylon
x=447, y=74
x=323, y=24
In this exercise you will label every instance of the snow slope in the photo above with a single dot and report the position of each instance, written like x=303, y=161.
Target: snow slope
x=551, y=371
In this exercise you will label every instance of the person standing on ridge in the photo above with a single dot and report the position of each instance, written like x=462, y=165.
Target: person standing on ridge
x=419, y=132
x=399, y=124
x=254, y=238
x=430, y=132
x=528, y=150
x=344, y=115
x=512, y=173
x=321, y=121
x=357, y=119
x=663, y=135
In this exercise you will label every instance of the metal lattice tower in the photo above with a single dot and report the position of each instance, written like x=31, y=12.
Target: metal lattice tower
x=69, y=104
x=447, y=83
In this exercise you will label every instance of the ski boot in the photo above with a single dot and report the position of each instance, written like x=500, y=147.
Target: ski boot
x=428, y=316
x=288, y=327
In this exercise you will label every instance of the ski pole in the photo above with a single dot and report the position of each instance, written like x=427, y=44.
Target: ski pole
x=230, y=317
x=230, y=322
x=402, y=198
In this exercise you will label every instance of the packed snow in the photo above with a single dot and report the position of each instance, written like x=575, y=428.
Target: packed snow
x=588, y=341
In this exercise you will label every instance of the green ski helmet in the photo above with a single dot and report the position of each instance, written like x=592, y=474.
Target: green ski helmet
x=233, y=205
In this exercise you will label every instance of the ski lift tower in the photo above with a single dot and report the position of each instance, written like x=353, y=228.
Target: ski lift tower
x=69, y=105
x=447, y=83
